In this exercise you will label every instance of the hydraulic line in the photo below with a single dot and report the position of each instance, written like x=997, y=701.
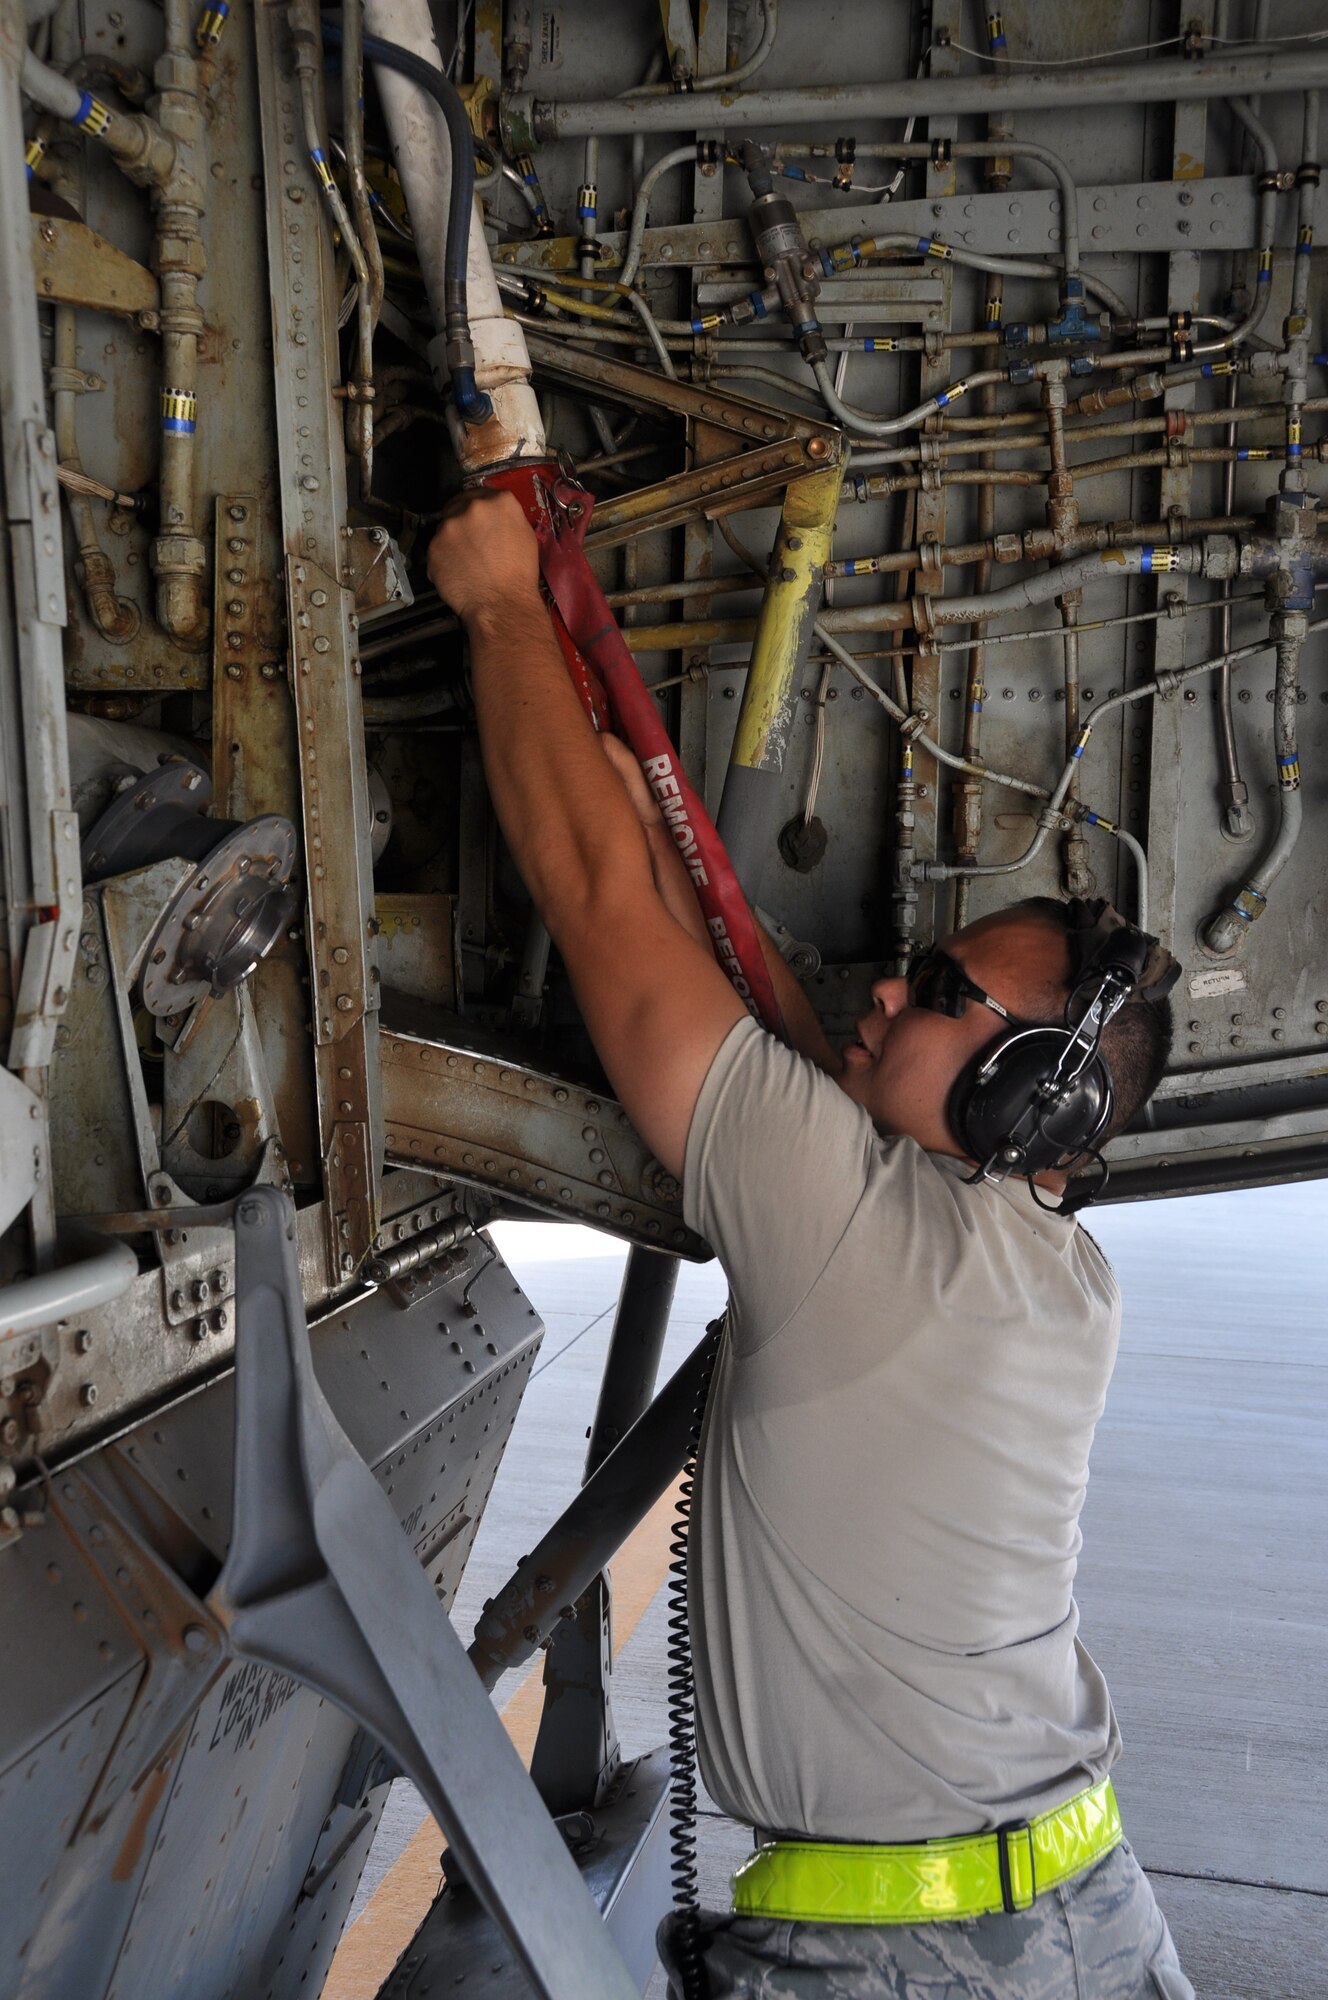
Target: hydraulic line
x=179, y=553
x=968, y=791
x=1164, y=684
x=587, y=208
x=860, y=422
x=1063, y=522
x=728, y=78
x=473, y=405
x=968, y=802
x=679, y=157
x=1150, y=560
x=1162, y=82
x=1268, y=183
x=138, y=144
x=352, y=125
x=1295, y=331
x=1235, y=793
x=307, y=43
x=1224, y=931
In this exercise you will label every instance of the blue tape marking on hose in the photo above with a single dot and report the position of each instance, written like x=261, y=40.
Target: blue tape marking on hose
x=1146, y=561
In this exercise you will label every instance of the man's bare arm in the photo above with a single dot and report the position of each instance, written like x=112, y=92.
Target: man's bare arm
x=656, y=1004
x=802, y=1030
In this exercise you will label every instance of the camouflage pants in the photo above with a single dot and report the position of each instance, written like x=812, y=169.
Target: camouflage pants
x=1099, y=1936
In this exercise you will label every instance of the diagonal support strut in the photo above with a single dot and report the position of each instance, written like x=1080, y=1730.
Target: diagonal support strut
x=320, y=1582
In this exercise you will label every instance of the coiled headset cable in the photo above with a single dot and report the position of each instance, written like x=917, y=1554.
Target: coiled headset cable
x=682, y=1709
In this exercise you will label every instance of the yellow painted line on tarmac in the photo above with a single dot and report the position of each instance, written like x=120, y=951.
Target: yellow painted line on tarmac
x=391, y=1917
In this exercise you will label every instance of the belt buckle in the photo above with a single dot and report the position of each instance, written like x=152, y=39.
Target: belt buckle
x=1008, y=1901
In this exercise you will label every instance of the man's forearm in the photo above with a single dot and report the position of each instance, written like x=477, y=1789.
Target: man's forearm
x=563, y=811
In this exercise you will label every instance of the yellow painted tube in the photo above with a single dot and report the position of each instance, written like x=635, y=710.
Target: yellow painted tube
x=783, y=629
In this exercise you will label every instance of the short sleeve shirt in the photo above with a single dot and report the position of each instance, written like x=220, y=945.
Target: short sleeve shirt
x=893, y=1464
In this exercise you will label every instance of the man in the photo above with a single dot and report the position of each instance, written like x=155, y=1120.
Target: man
x=897, y=1435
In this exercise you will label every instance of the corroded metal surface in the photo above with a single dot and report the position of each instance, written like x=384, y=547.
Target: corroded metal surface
x=549, y=1144
x=75, y=266
x=321, y=621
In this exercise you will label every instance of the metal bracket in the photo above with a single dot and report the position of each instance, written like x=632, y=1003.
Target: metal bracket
x=320, y=1582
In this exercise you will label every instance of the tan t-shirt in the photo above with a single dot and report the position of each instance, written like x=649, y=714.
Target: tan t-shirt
x=894, y=1460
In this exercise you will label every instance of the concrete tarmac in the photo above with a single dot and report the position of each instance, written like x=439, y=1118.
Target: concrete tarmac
x=1203, y=1583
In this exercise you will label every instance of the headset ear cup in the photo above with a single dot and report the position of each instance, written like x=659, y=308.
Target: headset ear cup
x=995, y=1103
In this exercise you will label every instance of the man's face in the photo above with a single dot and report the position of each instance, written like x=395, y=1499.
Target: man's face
x=904, y=1060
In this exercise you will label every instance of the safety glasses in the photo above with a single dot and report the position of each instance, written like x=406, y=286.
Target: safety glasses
x=939, y=983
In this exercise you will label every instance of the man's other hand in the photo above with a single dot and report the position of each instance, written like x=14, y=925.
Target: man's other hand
x=484, y=559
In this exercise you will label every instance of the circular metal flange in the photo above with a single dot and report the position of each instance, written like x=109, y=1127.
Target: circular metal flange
x=225, y=918
x=145, y=822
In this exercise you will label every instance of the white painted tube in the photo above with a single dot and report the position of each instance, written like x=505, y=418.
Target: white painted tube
x=424, y=162
x=68, y=1290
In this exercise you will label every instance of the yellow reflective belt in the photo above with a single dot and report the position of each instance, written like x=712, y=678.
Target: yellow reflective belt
x=823, y=1882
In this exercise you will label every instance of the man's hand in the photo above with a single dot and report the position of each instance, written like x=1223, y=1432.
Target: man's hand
x=484, y=559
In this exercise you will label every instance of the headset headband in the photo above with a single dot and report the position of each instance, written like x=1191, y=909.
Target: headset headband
x=1102, y=940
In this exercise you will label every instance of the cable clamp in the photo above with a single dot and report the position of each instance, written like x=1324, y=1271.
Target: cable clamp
x=846, y=153
x=75, y=380
x=1269, y=183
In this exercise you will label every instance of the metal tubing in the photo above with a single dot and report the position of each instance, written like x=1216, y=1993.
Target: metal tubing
x=179, y=553
x=67, y=1290
x=618, y=1495
x=1169, y=82
x=1236, y=815
x=865, y=425
x=307, y=39
x=729, y=77
x=1065, y=577
x=681, y=156
x=137, y=143
x=994, y=149
x=650, y=1278
x=1225, y=930
x=424, y=161
x=370, y=304
x=755, y=802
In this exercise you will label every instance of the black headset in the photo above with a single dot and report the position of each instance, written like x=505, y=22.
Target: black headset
x=1038, y=1097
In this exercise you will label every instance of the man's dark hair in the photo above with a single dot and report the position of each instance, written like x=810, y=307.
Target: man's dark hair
x=1137, y=1043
